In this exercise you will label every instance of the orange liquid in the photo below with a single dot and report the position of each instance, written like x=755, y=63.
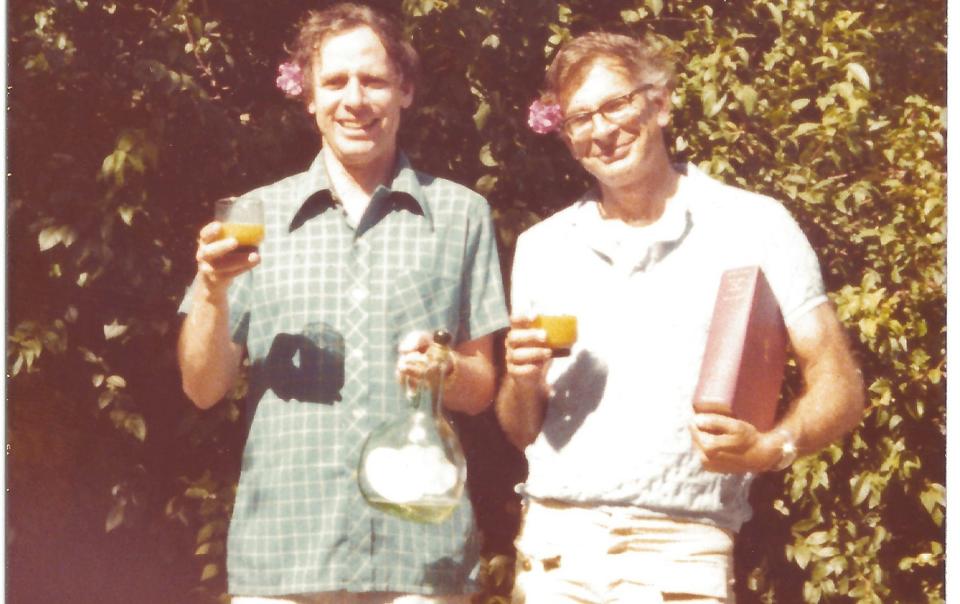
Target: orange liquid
x=246, y=234
x=561, y=330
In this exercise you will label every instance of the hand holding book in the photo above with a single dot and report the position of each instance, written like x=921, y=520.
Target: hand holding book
x=743, y=363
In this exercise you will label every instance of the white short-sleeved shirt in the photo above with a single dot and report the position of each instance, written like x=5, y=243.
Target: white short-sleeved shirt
x=616, y=429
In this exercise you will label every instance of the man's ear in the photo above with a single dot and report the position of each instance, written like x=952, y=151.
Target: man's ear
x=408, y=91
x=660, y=97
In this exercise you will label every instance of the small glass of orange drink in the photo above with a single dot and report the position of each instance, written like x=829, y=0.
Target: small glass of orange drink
x=242, y=219
x=561, y=332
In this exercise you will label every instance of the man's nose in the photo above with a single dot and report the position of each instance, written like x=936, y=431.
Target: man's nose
x=353, y=93
x=602, y=127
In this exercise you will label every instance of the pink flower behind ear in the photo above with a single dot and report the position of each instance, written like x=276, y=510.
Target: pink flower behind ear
x=544, y=117
x=290, y=80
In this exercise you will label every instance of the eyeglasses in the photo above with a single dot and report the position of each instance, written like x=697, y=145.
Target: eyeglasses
x=617, y=110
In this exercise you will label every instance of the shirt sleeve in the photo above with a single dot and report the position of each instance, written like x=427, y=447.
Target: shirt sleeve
x=484, y=308
x=791, y=265
x=521, y=290
x=238, y=299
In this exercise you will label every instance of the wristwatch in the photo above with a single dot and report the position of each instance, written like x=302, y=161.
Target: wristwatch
x=788, y=450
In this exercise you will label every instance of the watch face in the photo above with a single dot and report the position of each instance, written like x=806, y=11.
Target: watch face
x=788, y=450
x=787, y=456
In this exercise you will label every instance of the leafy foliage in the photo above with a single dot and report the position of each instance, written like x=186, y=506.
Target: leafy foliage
x=128, y=118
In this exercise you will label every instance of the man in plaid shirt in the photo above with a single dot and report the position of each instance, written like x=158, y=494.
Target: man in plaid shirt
x=363, y=257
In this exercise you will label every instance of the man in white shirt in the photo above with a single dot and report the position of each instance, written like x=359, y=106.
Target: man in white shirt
x=631, y=496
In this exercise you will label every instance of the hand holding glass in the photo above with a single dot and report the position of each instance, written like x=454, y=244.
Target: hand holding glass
x=242, y=219
x=561, y=332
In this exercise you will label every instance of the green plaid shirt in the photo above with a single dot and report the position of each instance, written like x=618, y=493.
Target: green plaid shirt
x=321, y=319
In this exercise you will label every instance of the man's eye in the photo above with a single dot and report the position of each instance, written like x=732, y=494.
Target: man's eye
x=333, y=83
x=615, y=106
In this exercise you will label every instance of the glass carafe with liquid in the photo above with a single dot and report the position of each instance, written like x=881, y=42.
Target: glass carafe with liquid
x=414, y=467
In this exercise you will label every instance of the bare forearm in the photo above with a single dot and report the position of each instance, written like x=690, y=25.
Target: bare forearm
x=472, y=384
x=209, y=359
x=831, y=406
x=520, y=410
x=833, y=400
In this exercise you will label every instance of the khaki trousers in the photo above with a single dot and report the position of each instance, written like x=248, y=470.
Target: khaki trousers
x=343, y=597
x=616, y=554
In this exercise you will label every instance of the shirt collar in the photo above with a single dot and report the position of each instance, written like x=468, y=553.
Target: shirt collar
x=663, y=235
x=314, y=192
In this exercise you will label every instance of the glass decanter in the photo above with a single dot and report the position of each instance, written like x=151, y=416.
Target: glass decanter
x=414, y=467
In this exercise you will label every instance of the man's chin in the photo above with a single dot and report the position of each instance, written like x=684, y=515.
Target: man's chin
x=603, y=168
x=359, y=153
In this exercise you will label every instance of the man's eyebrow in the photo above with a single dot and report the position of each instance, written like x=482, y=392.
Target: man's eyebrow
x=332, y=77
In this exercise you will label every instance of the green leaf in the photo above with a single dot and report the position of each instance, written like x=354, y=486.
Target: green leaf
x=776, y=13
x=115, y=381
x=135, y=425
x=747, y=95
x=481, y=115
x=630, y=16
x=486, y=156
x=818, y=538
x=861, y=489
x=209, y=571
x=206, y=532
x=933, y=496
x=485, y=184
x=196, y=492
x=858, y=73
x=116, y=515
x=126, y=212
x=114, y=330
x=48, y=238
x=804, y=128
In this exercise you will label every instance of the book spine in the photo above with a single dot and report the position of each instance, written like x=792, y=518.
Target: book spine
x=719, y=374
x=764, y=359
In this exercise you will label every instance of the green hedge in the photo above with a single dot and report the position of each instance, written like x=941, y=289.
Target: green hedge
x=127, y=118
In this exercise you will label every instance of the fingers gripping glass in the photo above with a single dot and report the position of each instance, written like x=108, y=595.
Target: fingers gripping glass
x=242, y=219
x=617, y=110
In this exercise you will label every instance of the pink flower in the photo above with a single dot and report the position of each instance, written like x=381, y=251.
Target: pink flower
x=544, y=117
x=290, y=80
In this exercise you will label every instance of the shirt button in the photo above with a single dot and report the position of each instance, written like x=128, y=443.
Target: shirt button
x=358, y=294
x=359, y=413
x=356, y=355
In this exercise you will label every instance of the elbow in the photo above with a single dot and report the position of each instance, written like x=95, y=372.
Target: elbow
x=200, y=394
x=518, y=439
x=517, y=432
x=475, y=404
x=476, y=408
x=856, y=403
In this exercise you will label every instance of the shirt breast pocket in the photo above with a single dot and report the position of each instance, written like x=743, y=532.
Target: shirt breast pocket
x=425, y=300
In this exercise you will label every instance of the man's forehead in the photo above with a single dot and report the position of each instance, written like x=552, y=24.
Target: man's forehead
x=346, y=48
x=595, y=80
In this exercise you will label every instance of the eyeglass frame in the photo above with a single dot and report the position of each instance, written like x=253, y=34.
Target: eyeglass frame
x=589, y=114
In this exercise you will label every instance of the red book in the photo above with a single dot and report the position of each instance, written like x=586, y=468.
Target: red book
x=746, y=351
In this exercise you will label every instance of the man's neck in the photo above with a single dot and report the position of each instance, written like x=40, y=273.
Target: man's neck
x=355, y=185
x=642, y=202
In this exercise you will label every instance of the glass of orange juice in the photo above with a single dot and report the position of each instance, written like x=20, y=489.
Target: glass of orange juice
x=561, y=332
x=242, y=219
